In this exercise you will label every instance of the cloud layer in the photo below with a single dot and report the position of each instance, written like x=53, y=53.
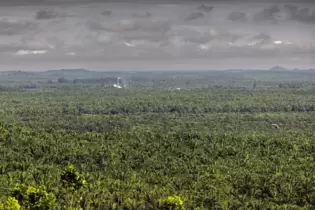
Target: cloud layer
x=276, y=13
x=115, y=32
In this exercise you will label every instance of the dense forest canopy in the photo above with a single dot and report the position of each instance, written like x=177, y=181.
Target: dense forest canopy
x=69, y=139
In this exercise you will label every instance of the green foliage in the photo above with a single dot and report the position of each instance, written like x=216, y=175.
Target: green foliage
x=33, y=198
x=10, y=204
x=172, y=203
x=213, y=142
x=71, y=179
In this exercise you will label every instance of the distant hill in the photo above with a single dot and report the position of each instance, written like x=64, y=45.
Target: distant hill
x=70, y=70
x=69, y=74
x=17, y=73
x=278, y=68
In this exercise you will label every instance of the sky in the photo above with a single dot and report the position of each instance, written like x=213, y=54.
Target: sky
x=156, y=35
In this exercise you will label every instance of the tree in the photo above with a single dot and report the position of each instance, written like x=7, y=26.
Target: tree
x=30, y=197
x=71, y=179
x=62, y=80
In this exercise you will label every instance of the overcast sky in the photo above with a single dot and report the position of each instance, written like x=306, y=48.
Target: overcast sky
x=146, y=35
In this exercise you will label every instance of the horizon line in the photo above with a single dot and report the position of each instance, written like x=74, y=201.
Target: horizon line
x=164, y=70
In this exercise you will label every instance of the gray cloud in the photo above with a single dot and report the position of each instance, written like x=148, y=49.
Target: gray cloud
x=208, y=36
x=262, y=38
x=53, y=2
x=85, y=34
x=194, y=16
x=45, y=14
x=300, y=14
x=12, y=48
x=276, y=13
x=14, y=27
x=132, y=25
x=270, y=13
x=145, y=35
x=237, y=16
x=193, y=36
x=205, y=8
x=107, y=13
x=145, y=15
